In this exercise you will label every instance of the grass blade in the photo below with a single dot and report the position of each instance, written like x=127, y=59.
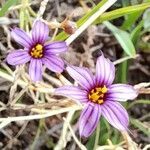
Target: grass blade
x=121, y=12
x=123, y=38
x=6, y=6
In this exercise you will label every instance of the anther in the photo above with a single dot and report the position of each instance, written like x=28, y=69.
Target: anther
x=96, y=95
x=37, y=51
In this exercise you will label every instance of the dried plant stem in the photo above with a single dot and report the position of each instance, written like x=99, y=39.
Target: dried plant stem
x=146, y=147
x=7, y=68
x=15, y=84
x=21, y=5
x=81, y=146
x=62, y=140
x=108, y=4
x=7, y=135
x=10, y=78
x=4, y=123
x=32, y=147
x=84, y=5
x=22, y=129
x=8, y=37
x=64, y=80
x=42, y=8
x=142, y=85
x=54, y=34
x=2, y=104
x=131, y=145
x=97, y=136
x=18, y=96
x=55, y=81
x=24, y=84
x=40, y=116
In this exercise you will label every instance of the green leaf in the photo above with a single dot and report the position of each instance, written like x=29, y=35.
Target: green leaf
x=121, y=12
x=129, y=22
x=123, y=38
x=105, y=131
x=146, y=18
x=115, y=137
x=135, y=34
x=130, y=19
x=6, y=6
x=91, y=141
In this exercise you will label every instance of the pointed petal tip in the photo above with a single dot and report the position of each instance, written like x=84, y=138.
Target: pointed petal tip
x=121, y=92
x=40, y=32
x=82, y=75
x=105, y=71
x=21, y=37
x=116, y=115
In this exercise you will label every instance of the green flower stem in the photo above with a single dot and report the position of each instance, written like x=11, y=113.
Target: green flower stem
x=97, y=136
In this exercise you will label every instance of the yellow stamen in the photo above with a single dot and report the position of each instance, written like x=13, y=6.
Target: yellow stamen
x=104, y=89
x=37, y=51
x=39, y=47
x=100, y=101
x=96, y=95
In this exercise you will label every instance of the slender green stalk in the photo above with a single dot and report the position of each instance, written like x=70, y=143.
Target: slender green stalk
x=97, y=137
x=39, y=130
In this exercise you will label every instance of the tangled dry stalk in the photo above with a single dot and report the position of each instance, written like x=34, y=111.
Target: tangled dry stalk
x=44, y=103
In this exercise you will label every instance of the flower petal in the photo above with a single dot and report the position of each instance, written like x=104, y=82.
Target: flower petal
x=18, y=57
x=53, y=63
x=82, y=75
x=121, y=92
x=89, y=119
x=105, y=71
x=21, y=37
x=40, y=32
x=115, y=114
x=55, y=47
x=35, y=69
x=72, y=92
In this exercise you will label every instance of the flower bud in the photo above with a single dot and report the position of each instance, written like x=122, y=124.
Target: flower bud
x=69, y=26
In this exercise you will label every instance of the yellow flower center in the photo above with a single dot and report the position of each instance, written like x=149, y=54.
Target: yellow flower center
x=37, y=51
x=96, y=95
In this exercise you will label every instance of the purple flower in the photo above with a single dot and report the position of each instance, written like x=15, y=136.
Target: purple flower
x=99, y=96
x=37, y=51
